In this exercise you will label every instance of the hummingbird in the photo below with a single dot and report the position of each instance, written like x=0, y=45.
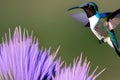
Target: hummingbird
x=101, y=24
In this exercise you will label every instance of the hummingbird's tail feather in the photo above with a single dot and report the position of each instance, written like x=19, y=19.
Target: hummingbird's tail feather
x=115, y=42
x=113, y=45
x=116, y=49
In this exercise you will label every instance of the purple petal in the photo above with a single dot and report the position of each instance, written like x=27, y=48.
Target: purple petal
x=77, y=71
x=21, y=59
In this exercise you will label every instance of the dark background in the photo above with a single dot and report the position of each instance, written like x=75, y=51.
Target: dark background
x=51, y=23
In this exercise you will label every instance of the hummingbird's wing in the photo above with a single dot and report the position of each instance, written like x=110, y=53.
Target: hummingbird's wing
x=113, y=14
x=112, y=19
x=113, y=23
x=101, y=31
x=81, y=18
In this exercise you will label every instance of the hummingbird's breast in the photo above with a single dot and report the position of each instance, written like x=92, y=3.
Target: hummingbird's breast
x=93, y=21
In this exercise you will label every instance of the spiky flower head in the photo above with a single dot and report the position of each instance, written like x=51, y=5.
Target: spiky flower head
x=21, y=59
x=78, y=71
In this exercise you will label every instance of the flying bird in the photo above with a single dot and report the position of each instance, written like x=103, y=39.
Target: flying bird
x=101, y=24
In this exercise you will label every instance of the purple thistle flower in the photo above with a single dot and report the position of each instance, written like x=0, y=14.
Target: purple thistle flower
x=21, y=59
x=77, y=71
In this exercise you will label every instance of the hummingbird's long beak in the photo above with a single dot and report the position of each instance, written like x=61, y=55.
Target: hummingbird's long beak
x=76, y=7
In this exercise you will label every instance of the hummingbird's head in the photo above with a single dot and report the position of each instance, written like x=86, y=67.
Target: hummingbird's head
x=89, y=7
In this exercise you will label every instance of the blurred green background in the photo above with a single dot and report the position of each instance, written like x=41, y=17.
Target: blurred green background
x=51, y=23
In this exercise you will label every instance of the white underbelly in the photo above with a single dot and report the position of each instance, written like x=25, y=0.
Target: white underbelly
x=93, y=22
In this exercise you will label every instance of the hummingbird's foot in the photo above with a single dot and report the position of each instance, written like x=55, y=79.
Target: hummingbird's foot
x=101, y=41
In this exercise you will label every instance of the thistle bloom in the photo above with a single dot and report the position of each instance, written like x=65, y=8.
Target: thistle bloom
x=77, y=71
x=21, y=59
